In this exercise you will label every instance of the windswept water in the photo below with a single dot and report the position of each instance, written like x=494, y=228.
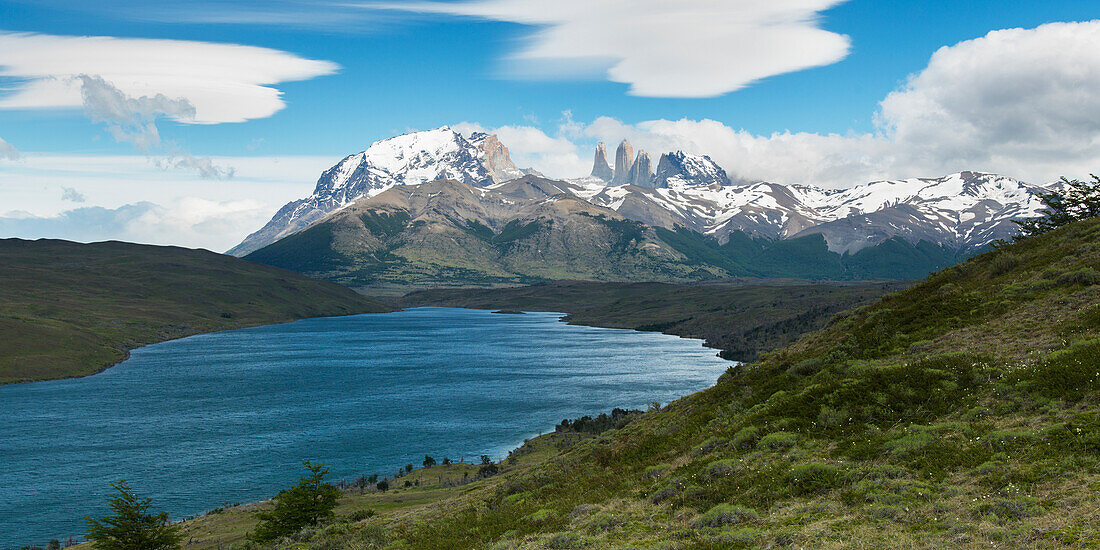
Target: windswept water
x=228, y=417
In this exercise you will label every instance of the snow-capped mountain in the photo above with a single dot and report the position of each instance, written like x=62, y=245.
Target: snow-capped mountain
x=966, y=211
x=681, y=170
x=479, y=160
x=962, y=212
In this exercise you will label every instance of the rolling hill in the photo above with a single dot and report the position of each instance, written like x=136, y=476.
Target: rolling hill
x=70, y=309
x=960, y=412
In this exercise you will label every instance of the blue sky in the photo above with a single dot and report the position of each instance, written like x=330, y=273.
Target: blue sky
x=448, y=63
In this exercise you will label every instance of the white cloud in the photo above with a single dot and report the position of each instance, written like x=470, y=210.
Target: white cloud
x=685, y=48
x=7, y=151
x=530, y=147
x=1024, y=103
x=221, y=82
x=191, y=222
x=1020, y=99
x=131, y=198
x=70, y=194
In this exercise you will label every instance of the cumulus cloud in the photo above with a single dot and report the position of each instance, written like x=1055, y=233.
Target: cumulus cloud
x=220, y=82
x=1013, y=98
x=687, y=48
x=1021, y=102
x=70, y=194
x=7, y=151
x=192, y=222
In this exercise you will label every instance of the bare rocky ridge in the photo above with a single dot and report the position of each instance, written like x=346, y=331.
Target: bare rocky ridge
x=624, y=160
x=600, y=168
x=641, y=173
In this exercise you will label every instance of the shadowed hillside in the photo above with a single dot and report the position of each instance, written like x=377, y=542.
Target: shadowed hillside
x=739, y=318
x=69, y=309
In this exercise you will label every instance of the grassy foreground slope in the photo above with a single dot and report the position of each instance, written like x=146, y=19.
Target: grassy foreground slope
x=963, y=412
x=740, y=318
x=69, y=309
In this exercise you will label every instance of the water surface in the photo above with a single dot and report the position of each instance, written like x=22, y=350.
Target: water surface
x=228, y=417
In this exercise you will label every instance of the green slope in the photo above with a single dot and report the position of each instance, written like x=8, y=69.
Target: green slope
x=69, y=309
x=963, y=412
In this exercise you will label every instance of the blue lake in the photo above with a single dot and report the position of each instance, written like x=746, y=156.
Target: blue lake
x=228, y=417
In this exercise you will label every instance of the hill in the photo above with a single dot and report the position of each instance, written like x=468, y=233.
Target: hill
x=961, y=412
x=741, y=318
x=69, y=309
x=449, y=233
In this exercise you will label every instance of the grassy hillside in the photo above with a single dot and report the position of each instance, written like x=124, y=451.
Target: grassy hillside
x=69, y=309
x=961, y=412
x=739, y=318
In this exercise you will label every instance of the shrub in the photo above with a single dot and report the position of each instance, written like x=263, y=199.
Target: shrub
x=778, y=440
x=726, y=514
x=710, y=445
x=746, y=438
x=542, y=515
x=1003, y=263
x=719, y=468
x=1086, y=276
x=806, y=367
x=361, y=514
x=658, y=470
x=132, y=528
x=308, y=503
x=814, y=477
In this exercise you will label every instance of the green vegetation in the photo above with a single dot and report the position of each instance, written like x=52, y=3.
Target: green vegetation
x=809, y=257
x=69, y=309
x=740, y=318
x=1076, y=200
x=961, y=412
x=306, y=504
x=132, y=527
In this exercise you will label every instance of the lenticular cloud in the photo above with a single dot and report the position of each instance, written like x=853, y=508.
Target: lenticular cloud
x=685, y=48
x=223, y=82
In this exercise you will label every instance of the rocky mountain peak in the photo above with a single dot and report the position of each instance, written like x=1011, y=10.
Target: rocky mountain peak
x=496, y=158
x=641, y=173
x=624, y=161
x=681, y=169
x=600, y=168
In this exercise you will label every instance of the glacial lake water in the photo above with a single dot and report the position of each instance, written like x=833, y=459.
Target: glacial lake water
x=229, y=416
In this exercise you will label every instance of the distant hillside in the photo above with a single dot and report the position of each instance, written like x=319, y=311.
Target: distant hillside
x=69, y=309
x=448, y=233
x=737, y=317
x=959, y=413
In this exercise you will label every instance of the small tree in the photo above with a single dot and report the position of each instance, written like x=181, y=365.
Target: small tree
x=446, y=461
x=408, y=468
x=1076, y=200
x=428, y=461
x=132, y=527
x=309, y=502
x=383, y=486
